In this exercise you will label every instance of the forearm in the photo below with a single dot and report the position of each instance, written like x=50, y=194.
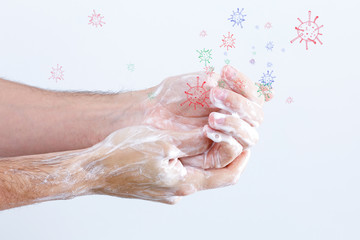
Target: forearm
x=37, y=178
x=40, y=121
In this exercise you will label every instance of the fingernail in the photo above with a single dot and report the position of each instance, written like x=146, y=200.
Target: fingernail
x=219, y=118
x=231, y=73
x=220, y=94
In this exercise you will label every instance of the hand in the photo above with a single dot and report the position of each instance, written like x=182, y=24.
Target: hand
x=234, y=110
x=146, y=163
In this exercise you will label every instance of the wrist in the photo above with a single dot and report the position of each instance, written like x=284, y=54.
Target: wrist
x=122, y=110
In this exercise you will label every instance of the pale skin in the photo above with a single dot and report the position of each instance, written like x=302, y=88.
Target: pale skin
x=58, y=145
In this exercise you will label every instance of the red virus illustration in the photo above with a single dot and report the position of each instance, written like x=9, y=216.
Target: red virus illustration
x=268, y=25
x=96, y=19
x=228, y=41
x=203, y=33
x=308, y=31
x=196, y=95
x=57, y=73
x=289, y=100
x=240, y=84
x=209, y=70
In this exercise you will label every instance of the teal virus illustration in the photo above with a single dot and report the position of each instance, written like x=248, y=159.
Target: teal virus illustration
x=131, y=67
x=227, y=61
x=237, y=18
x=267, y=79
x=205, y=56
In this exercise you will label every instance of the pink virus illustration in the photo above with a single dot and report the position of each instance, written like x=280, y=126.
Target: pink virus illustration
x=228, y=41
x=308, y=31
x=196, y=95
x=264, y=91
x=203, y=33
x=96, y=19
x=57, y=73
x=209, y=70
x=289, y=100
x=267, y=25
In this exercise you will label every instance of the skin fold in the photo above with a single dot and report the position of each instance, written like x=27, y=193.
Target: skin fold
x=131, y=145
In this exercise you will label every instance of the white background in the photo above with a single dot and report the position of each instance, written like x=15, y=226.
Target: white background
x=302, y=181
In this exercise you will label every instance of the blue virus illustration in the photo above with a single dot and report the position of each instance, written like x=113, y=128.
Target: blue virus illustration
x=269, y=64
x=237, y=18
x=205, y=56
x=267, y=79
x=269, y=46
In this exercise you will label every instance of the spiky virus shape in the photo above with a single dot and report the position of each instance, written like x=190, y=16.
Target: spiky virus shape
x=203, y=33
x=228, y=41
x=269, y=46
x=267, y=79
x=237, y=18
x=96, y=19
x=205, y=56
x=264, y=91
x=308, y=31
x=289, y=100
x=209, y=70
x=268, y=25
x=196, y=95
x=57, y=73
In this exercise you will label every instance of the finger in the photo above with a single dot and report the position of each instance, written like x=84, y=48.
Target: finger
x=234, y=126
x=240, y=83
x=237, y=104
x=200, y=179
x=190, y=143
x=224, y=150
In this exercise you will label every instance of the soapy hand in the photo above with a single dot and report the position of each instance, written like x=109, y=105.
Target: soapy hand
x=146, y=163
x=232, y=112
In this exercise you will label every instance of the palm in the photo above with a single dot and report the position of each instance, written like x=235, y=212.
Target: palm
x=182, y=102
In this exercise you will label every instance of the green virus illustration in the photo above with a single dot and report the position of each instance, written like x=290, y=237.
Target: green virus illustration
x=221, y=83
x=205, y=56
x=264, y=91
x=227, y=61
x=151, y=95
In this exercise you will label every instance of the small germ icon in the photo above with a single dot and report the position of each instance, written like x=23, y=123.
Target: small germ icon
x=209, y=70
x=196, y=95
x=252, y=61
x=203, y=33
x=57, y=73
x=131, y=67
x=205, y=55
x=269, y=64
x=96, y=19
x=264, y=91
x=227, y=61
x=267, y=79
x=308, y=31
x=221, y=83
x=289, y=100
x=228, y=41
x=269, y=46
x=268, y=25
x=237, y=17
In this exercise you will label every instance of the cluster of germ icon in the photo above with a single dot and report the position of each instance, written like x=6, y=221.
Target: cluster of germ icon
x=308, y=31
